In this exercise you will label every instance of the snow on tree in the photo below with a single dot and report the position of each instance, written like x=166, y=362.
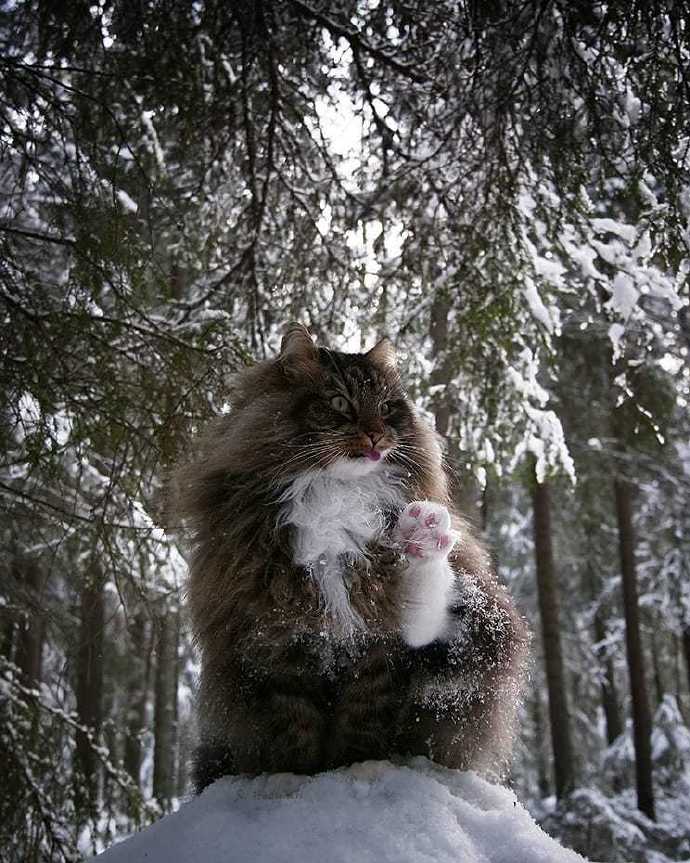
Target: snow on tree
x=503, y=188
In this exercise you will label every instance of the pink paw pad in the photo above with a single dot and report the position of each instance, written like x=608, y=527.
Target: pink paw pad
x=424, y=531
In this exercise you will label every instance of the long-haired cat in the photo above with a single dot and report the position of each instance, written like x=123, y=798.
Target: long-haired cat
x=343, y=610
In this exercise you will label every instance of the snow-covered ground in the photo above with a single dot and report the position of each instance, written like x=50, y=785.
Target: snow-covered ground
x=376, y=811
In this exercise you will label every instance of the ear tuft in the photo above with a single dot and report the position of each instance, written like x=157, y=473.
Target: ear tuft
x=383, y=354
x=297, y=339
x=298, y=353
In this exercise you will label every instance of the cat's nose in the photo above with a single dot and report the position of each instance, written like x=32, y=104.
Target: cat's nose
x=374, y=437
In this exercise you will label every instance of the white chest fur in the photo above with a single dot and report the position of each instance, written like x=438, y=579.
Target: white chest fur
x=335, y=516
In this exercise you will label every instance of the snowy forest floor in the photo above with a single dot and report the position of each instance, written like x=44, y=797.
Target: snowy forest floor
x=375, y=811
x=414, y=811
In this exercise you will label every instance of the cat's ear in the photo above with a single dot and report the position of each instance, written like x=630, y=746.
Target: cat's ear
x=298, y=353
x=383, y=355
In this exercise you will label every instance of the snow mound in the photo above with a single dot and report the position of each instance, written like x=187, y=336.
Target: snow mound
x=375, y=811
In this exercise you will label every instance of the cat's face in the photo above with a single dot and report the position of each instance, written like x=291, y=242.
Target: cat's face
x=350, y=412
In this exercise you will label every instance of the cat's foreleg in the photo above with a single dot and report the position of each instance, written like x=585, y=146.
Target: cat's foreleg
x=295, y=737
x=467, y=649
x=425, y=534
x=370, y=700
x=289, y=711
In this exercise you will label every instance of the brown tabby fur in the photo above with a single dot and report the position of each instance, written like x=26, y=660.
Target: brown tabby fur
x=281, y=688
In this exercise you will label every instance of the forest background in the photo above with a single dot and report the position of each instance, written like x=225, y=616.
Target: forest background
x=501, y=187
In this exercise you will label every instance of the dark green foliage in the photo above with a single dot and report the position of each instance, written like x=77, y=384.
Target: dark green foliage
x=501, y=187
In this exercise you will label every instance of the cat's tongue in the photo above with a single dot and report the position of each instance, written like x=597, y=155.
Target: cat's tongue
x=373, y=454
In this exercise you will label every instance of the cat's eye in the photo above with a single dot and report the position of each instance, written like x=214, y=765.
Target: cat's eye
x=386, y=409
x=341, y=404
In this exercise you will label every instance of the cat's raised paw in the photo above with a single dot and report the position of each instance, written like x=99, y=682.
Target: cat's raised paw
x=424, y=531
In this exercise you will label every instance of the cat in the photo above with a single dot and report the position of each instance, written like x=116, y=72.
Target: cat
x=343, y=610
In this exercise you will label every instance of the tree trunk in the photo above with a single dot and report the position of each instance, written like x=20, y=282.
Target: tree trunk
x=642, y=720
x=686, y=652
x=658, y=674
x=542, y=771
x=30, y=635
x=441, y=374
x=609, y=693
x=7, y=637
x=547, y=589
x=165, y=709
x=184, y=754
x=680, y=684
x=137, y=696
x=89, y=685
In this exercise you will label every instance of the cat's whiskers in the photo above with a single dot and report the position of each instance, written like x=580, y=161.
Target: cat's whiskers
x=320, y=451
x=303, y=456
x=307, y=446
x=330, y=460
x=323, y=433
x=423, y=456
x=305, y=453
x=406, y=460
x=402, y=442
x=402, y=452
